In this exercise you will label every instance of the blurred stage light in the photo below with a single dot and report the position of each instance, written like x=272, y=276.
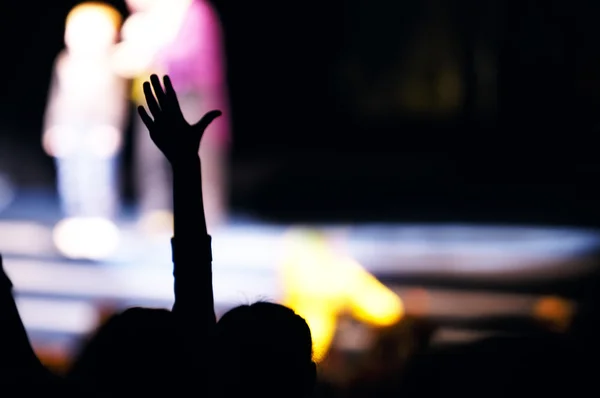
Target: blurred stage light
x=92, y=25
x=86, y=238
x=555, y=312
x=158, y=224
x=369, y=300
x=104, y=141
x=152, y=26
x=58, y=316
x=140, y=5
x=474, y=250
x=25, y=238
x=321, y=284
x=60, y=142
x=417, y=301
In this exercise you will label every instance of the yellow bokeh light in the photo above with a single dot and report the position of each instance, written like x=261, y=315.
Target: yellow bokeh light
x=92, y=11
x=91, y=26
x=320, y=284
x=369, y=300
x=322, y=326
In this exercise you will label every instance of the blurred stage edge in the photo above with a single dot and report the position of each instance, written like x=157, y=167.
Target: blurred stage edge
x=472, y=281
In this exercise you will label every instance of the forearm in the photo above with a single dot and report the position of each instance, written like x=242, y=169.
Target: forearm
x=179, y=142
x=188, y=207
x=191, y=246
x=18, y=362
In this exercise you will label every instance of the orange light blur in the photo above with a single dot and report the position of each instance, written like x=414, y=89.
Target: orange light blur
x=554, y=311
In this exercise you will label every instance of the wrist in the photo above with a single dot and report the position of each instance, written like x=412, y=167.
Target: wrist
x=185, y=163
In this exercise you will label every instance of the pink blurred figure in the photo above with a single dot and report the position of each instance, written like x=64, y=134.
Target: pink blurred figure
x=181, y=38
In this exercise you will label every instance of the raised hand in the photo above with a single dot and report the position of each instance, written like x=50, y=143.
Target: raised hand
x=171, y=133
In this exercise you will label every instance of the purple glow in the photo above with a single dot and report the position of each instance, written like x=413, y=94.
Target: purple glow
x=195, y=60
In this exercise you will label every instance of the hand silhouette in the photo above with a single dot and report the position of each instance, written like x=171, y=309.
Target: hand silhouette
x=171, y=133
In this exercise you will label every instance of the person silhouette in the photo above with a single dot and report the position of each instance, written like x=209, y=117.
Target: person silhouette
x=19, y=362
x=21, y=371
x=134, y=352
x=84, y=121
x=156, y=352
x=263, y=348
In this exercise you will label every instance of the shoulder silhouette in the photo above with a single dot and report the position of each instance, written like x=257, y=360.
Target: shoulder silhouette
x=134, y=352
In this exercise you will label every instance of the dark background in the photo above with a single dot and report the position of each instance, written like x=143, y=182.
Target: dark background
x=364, y=110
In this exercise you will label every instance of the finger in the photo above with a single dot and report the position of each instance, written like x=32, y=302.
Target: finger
x=151, y=100
x=170, y=93
x=155, y=137
x=158, y=91
x=208, y=119
x=146, y=119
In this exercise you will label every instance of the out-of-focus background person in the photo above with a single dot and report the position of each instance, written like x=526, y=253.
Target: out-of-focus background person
x=83, y=131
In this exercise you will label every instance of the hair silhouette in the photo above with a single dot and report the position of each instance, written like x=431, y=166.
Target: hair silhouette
x=133, y=352
x=265, y=349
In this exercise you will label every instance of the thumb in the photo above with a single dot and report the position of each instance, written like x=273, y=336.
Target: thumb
x=207, y=119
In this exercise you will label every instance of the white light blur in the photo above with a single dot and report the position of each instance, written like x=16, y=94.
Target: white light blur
x=25, y=238
x=60, y=141
x=86, y=238
x=57, y=316
x=105, y=282
x=468, y=249
x=89, y=29
x=140, y=5
x=402, y=249
x=132, y=283
x=248, y=248
x=152, y=26
x=104, y=141
x=245, y=270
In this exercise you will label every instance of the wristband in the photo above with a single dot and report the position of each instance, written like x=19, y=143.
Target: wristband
x=201, y=249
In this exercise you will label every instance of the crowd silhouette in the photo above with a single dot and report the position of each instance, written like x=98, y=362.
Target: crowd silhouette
x=265, y=349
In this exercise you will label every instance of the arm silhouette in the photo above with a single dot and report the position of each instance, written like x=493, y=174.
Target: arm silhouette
x=19, y=365
x=179, y=142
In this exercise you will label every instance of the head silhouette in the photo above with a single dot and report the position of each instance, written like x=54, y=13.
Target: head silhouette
x=264, y=349
x=134, y=352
